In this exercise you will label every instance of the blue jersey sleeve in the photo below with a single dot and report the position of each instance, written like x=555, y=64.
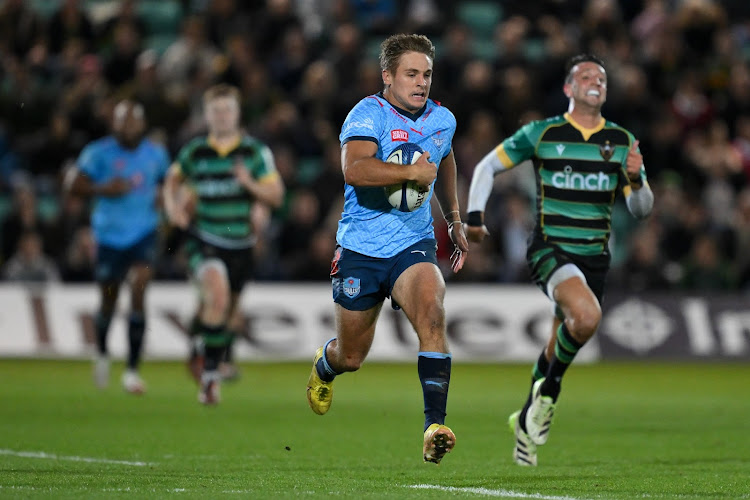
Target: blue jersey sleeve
x=452, y=132
x=364, y=122
x=89, y=163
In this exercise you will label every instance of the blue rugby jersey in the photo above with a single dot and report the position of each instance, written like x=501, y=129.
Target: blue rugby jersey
x=122, y=221
x=369, y=224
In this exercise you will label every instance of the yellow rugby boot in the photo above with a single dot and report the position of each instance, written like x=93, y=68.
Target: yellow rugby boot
x=438, y=440
x=319, y=392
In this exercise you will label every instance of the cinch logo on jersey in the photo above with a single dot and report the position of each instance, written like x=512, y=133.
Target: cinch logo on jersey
x=567, y=179
x=399, y=135
x=211, y=189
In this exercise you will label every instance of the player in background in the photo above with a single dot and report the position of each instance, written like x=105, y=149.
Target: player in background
x=385, y=252
x=122, y=172
x=228, y=171
x=581, y=161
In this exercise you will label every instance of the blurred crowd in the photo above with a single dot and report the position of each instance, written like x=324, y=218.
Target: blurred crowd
x=679, y=79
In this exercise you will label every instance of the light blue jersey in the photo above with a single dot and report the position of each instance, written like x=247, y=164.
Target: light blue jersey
x=369, y=224
x=122, y=221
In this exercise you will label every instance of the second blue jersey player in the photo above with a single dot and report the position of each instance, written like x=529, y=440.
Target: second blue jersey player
x=122, y=173
x=383, y=252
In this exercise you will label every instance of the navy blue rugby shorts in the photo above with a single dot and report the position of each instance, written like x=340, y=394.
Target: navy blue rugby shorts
x=361, y=282
x=113, y=264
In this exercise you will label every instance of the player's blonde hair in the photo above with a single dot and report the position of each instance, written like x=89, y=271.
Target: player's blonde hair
x=221, y=90
x=395, y=46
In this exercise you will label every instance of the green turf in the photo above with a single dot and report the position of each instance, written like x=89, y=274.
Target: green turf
x=622, y=431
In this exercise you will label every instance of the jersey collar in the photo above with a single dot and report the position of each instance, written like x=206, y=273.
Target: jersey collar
x=412, y=116
x=223, y=151
x=585, y=132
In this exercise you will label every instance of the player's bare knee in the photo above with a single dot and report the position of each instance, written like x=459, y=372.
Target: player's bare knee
x=216, y=303
x=584, y=323
x=433, y=318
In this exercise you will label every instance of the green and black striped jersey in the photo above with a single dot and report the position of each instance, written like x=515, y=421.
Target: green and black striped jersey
x=578, y=173
x=222, y=216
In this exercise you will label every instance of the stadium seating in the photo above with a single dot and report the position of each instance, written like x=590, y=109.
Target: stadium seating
x=480, y=17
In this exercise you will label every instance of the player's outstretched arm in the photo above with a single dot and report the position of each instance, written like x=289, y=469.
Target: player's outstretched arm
x=447, y=197
x=479, y=192
x=362, y=168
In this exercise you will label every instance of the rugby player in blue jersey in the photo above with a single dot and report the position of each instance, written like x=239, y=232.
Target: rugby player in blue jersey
x=122, y=173
x=383, y=252
x=581, y=162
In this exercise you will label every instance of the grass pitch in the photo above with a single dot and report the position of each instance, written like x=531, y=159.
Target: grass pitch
x=622, y=431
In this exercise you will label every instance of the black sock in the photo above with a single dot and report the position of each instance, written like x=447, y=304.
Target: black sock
x=101, y=325
x=229, y=351
x=136, y=329
x=539, y=370
x=215, y=341
x=435, y=374
x=566, y=348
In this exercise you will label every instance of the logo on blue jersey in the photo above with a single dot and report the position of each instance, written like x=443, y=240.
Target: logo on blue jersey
x=351, y=287
x=367, y=124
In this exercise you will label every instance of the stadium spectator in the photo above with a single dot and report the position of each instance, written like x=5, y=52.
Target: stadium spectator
x=644, y=269
x=120, y=64
x=49, y=149
x=72, y=213
x=372, y=259
x=225, y=21
x=272, y=24
x=84, y=99
x=288, y=64
x=20, y=28
x=122, y=173
x=164, y=110
x=706, y=270
x=190, y=54
x=24, y=217
x=127, y=13
x=70, y=21
x=29, y=264
x=79, y=263
x=581, y=161
x=294, y=240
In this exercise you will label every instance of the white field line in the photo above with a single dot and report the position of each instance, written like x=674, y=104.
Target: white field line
x=489, y=493
x=52, y=456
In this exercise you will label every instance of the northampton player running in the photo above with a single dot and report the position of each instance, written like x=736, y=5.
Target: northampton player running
x=229, y=172
x=581, y=161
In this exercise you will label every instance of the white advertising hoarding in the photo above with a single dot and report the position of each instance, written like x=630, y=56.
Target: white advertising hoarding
x=283, y=322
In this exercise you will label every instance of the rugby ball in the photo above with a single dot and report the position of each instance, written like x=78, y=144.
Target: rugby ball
x=406, y=196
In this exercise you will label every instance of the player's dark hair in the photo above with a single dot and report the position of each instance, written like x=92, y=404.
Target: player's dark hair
x=221, y=90
x=395, y=46
x=576, y=60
